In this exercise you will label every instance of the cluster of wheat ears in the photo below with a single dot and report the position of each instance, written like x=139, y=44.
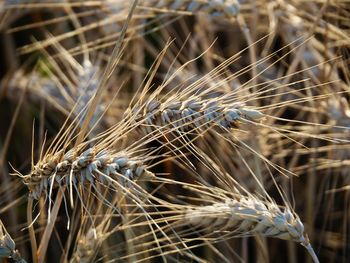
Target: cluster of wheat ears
x=174, y=131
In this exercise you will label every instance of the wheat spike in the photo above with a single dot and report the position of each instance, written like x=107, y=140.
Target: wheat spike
x=8, y=246
x=194, y=113
x=215, y=8
x=84, y=168
x=90, y=240
x=338, y=110
x=86, y=246
x=249, y=216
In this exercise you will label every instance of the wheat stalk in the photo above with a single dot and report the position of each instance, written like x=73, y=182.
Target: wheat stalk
x=8, y=246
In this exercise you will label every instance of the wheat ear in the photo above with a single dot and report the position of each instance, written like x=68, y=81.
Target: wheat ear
x=215, y=8
x=249, y=216
x=88, y=167
x=87, y=246
x=8, y=246
x=193, y=114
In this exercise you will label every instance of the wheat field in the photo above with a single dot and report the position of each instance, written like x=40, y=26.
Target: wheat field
x=175, y=131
